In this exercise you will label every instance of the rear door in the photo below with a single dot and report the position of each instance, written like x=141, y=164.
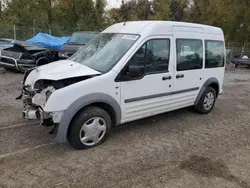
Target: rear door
x=188, y=68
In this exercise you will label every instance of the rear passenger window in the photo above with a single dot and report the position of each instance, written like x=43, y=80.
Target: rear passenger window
x=215, y=54
x=189, y=54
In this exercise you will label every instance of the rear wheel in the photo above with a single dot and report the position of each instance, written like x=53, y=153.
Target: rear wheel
x=89, y=128
x=207, y=101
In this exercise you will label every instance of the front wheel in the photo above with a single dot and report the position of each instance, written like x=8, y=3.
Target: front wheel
x=89, y=128
x=207, y=101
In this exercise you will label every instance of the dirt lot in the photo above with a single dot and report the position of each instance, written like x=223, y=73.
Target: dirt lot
x=177, y=149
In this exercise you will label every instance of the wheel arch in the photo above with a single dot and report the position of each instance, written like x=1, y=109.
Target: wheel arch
x=101, y=100
x=42, y=61
x=211, y=82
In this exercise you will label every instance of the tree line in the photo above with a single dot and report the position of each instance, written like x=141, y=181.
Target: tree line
x=233, y=16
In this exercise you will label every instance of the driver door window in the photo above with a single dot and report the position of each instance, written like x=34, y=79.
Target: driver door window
x=152, y=57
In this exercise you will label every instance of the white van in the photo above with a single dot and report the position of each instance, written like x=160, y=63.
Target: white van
x=129, y=71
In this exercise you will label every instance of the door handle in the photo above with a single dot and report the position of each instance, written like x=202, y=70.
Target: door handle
x=167, y=78
x=180, y=76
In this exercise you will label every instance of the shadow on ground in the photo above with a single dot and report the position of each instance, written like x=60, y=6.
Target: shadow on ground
x=206, y=167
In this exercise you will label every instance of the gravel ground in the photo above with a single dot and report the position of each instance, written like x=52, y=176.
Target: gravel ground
x=178, y=149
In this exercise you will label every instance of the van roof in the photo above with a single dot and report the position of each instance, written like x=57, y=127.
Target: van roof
x=161, y=28
x=88, y=32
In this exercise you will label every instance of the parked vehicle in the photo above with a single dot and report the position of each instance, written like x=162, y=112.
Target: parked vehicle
x=241, y=61
x=130, y=71
x=77, y=40
x=38, y=50
x=5, y=43
x=22, y=56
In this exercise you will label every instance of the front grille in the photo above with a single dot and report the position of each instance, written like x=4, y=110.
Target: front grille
x=11, y=54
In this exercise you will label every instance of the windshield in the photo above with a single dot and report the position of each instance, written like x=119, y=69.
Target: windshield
x=104, y=51
x=81, y=38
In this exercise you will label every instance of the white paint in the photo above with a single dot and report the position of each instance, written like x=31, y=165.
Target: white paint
x=40, y=98
x=149, y=85
x=59, y=70
x=30, y=114
x=152, y=84
x=57, y=116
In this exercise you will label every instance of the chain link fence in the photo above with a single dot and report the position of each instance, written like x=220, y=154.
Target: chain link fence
x=24, y=32
x=238, y=50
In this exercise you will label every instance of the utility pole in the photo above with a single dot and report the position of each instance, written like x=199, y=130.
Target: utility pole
x=0, y=9
x=34, y=26
x=14, y=31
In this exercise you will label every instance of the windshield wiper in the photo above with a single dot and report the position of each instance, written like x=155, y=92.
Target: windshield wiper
x=72, y=43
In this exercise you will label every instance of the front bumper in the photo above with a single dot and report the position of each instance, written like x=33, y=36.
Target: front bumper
x=19, y=65
x=46, y=118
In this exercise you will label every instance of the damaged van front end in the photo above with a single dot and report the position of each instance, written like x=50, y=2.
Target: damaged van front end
x=40, y=83
x=33, y=106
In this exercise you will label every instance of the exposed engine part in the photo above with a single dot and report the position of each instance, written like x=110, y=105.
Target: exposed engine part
x=30, y=114
x=27, y=100
x=34, y=113
x=41, y=84
x=40, y=99
x=33, y=103
x=35, y=98
x=57, y=116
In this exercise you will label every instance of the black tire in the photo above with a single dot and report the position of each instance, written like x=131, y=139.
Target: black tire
x=200, y=107
x=83, y=117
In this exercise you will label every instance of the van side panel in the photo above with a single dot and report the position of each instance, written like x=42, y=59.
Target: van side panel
x=218, y=72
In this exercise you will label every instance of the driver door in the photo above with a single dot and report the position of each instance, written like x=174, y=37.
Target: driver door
x=149, y=92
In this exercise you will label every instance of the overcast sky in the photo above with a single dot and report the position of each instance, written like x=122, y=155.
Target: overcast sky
x=114, y=3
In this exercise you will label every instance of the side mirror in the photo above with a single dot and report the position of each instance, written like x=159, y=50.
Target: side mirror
x=134, y=71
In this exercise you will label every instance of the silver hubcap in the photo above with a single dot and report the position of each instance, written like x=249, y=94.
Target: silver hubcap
x=93, y=131
x=209, y=101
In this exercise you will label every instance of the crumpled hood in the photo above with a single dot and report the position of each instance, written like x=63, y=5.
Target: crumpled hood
x=59, y=70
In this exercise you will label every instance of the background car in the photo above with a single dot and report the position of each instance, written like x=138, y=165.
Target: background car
x=22, y=56
x=39, y=50
x=77, y=40
x=5, y=43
